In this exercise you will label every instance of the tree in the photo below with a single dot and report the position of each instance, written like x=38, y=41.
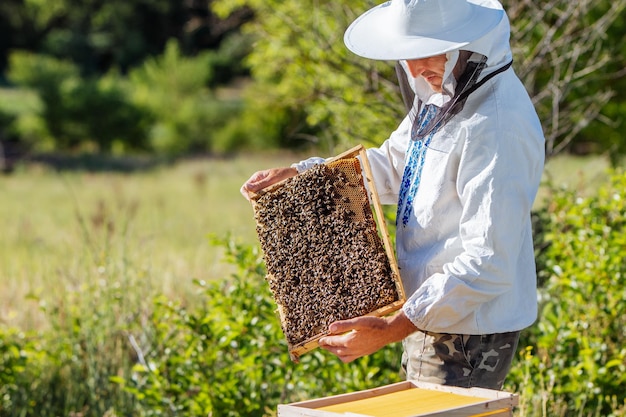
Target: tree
x=98, y=35
x=301, y=68
x=566, y=59
x=302, y=71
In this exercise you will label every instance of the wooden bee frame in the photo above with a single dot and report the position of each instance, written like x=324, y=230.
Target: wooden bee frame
x=283, y=242
x=407, y=399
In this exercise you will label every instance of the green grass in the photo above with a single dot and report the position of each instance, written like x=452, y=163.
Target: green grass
x=63, y=229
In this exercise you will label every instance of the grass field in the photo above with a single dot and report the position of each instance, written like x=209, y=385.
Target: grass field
x=61, y=229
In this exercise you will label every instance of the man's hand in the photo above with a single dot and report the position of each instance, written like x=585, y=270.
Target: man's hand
x=360, y=336
x=262, y=179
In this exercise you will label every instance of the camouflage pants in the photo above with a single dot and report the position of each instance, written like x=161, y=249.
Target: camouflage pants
x=459, y=360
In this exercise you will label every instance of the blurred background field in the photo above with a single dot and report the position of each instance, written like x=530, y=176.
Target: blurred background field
x=55, y=223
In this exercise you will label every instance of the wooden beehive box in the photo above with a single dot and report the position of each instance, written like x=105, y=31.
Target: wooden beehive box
x=407, y=399
x=326, y=248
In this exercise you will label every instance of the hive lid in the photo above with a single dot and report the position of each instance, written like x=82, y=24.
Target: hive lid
x=407, y=399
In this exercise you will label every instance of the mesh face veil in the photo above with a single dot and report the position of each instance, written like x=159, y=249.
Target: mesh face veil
x=466, y=84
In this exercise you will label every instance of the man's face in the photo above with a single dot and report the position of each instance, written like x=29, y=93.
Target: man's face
x=430, y=69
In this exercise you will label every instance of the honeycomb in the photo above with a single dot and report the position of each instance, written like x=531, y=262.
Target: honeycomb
x=324, y=255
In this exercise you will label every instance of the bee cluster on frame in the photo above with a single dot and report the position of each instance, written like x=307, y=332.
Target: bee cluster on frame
x=324, y=256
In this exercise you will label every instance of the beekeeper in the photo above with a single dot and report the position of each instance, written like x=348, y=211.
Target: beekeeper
x=463, y=168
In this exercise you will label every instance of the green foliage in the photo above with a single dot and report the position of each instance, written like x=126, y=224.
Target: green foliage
x=109, y=352
x=567, y=54
x=65, y=368
x=46, y=75
x=308, y=89
x=331, y=97
x=87, y=343
x=165, y=106
x=174, y=88
x=605, y=133
x=41, y=72
x=24, y=362
x=228, y=61
x=576, y=352
x=13, y=361
x=94, y=35
x=7, y=126
x=229, y=358
x=100, y=112
x=76, y=112
x=302, y=70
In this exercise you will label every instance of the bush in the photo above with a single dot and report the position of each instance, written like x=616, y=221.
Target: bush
x=574, y=360
x=164, y=106
x=13, y=362
x=66, y=370
x=230, y=357
x=306, y=85
x=77, y=113
x=175, y=89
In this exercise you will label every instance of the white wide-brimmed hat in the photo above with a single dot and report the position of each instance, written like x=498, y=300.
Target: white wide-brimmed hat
x=413, y=29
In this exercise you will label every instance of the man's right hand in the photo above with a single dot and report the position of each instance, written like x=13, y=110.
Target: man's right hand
x=262, y=179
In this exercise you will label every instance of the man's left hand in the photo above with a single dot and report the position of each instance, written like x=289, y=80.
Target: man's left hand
x=360, y=336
